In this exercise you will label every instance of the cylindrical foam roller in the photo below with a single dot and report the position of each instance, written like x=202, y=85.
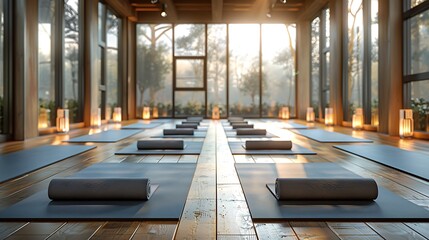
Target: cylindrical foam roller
x=238, y=123
x=191, y=122
x=99, y=189
x=251, y=131
x=199, y=119
x=194, y=126
x=232, y=119
x=242, y=126
x=181, y=131
x=160, y=144
x=326, y=189
x=268, y=145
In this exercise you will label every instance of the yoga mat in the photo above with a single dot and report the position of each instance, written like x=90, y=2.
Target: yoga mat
x=197, y=134
x=166, y=203
x=63, y=189
x=238, y=148
x=233, y=134
x=18, y=163
x=142, y=125
x=264, y=206
x=293, y=126
x=160, y=144
x=326, y=136
x=414, y=163
x=191, y=148
x=324, y=189
x=105, y=136
x=268, y=145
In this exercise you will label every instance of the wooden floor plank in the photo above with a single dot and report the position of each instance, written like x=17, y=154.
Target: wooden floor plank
x=77, y=230
x=313, y=230
x=274, y=231
x=162, y=230
x=116, y=230
x=36, y=231
x=7, y=228
x=395, y=231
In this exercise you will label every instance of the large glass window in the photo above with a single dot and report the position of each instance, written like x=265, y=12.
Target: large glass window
x=315, y=66
x=416, y=58
x=46, y=58
x=244, y=84
x=216, y=68
x=278, y=67
x=112, y=74
x=4, y=83
x=361, y=51
x=71, y=60
x=154, y=68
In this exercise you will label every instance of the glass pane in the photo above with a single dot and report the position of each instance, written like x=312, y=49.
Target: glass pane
x=112, y=81
x=315, y=66
x=420, y=105
x=98, y=72
x=374, y=62
x=419, y=33
x=46, y=68
x=2, y=83
x=278, y=68
x=216, y=68
x=189, y=73
x=154, y=68
x=326, y=82
x=101, y=25
x=327, y=27
x=189, y=103
x=244, y=69
x=189, y=40
x=71, y=59
x=416, y=2
x=355, y=57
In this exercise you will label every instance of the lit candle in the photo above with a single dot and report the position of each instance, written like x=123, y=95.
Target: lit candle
x=117, y=115
x=215, y=113
x=284, y=113
x=63, y=121
x=146, y=113
x=96, y=118
x=406, y=123
x=329, y=116
x=310, y=114
x=357, y=121
x=155, y=112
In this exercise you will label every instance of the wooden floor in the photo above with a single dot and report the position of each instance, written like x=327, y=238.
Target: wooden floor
x=216, y=207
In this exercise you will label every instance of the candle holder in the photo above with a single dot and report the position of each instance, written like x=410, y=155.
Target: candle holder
x=63, y=120
x=146, y=113
x=284, y=113
x=96, y=118
x=357, y=121
x=117, y=115
x=310, y=117
x=215, y=113
x=406, y=123
x=329, y=116
x=155, y=112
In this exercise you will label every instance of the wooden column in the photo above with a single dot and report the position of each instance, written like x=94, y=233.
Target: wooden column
x=131, y=70
x=304, y=68
x=90, y=59
x=25, y=71
x=336, y=59
x=390, y=65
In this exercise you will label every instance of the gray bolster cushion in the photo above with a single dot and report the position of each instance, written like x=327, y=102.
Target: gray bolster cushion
x=235, y=119
x=363, y=189
x=194, y=126
x=196, y=119
x=247, y=131
x=242, y=126
x=268, y=145
x=99, y=189
x=160, y=144
x=191, y=122
x=238, y=123
x=181, y=131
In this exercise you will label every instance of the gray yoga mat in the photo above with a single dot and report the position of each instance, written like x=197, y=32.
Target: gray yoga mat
x=264, y=206
x=105, y=136
x=233, y=134
x=191, y=148
x=166, y=203
x=328, y=137
x=197, y=134
x=238, y=148
x=294, y=126
x=268, y=145
x=142, y=125
x=414, y=163
x=18, y=163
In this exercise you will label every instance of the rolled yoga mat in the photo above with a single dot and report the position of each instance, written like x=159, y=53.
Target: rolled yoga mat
x=334, y=189
x=242, y=126
x=126, y=189
x=268, y=145
x=238, y=123
x=196, y=119
x=235, y=119
x=191, y=122
x=194, y=126
x=181, y=131
x=252, y=131
x=160, y=144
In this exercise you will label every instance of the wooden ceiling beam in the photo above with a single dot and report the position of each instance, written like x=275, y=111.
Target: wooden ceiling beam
x=123, y=8
x=171, y=10
x=217, y=10
x=311, y=9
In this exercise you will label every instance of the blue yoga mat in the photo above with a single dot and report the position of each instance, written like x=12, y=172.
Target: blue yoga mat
x=18, y=163
x=105, y=137
x=328, y=137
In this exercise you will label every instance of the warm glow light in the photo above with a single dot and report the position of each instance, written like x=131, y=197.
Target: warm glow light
x=374, y=118
x=146, y=113
x=117, y=115
x=108, y=114
x=310, y=114
x=284, y=113
x=96, y=118
x=406, y=124
x=63, y=120
x=357, y=121
x=329, y=116
x=154, y=112
x=215, y=113
x=44, y=118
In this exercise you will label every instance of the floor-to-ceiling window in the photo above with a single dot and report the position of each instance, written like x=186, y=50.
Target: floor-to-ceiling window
x=59, y=74
x=320, y=58
x=416, y=61
x=244, y=69
x=5, y=83
x=361, y=60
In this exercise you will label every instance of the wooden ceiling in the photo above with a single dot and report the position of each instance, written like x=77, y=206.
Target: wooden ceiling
x=218, y=11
